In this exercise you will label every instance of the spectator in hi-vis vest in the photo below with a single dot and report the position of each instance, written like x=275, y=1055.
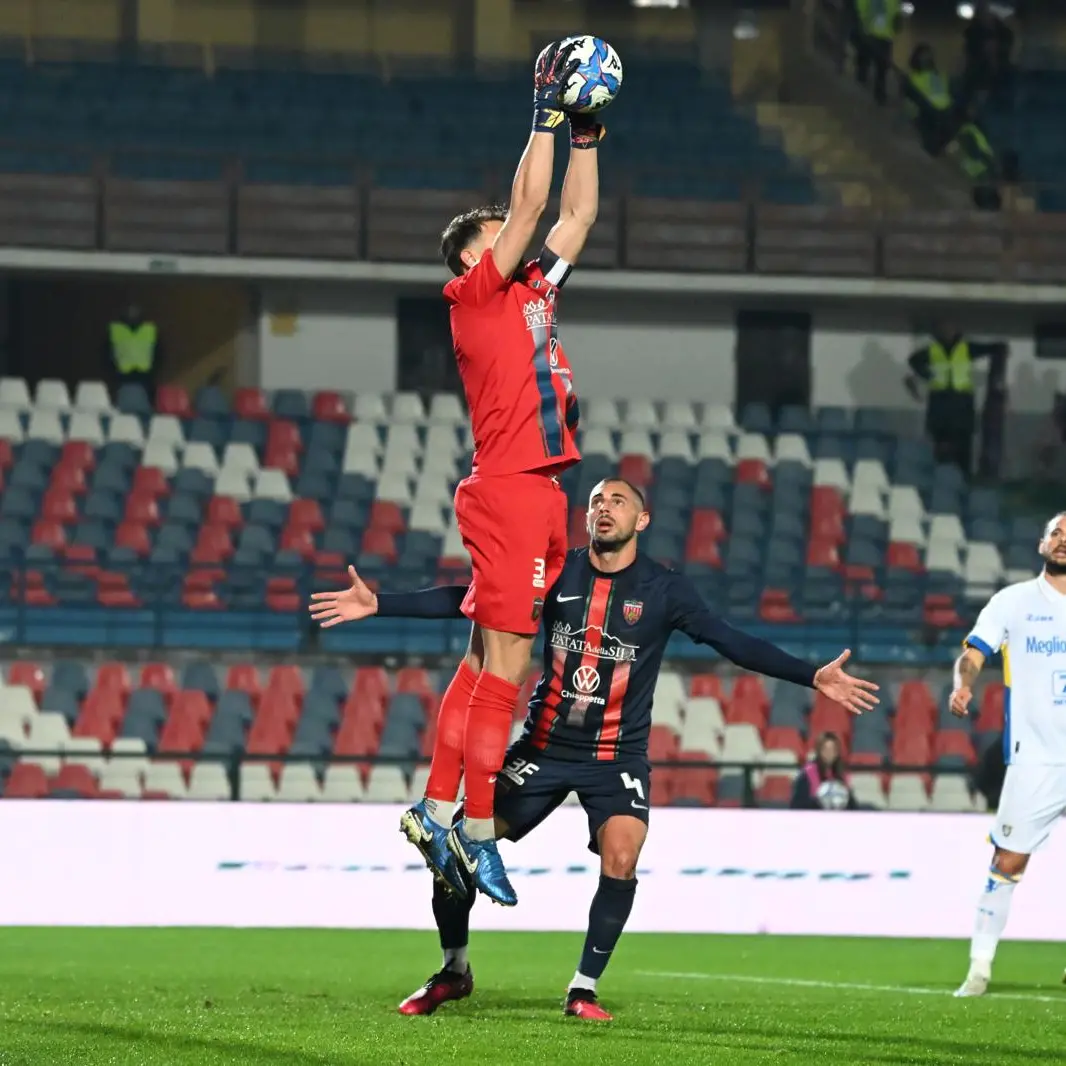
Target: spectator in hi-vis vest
x=946, y=366
x=133, y=351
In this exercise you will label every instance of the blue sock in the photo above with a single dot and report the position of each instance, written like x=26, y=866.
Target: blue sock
x=607, y=918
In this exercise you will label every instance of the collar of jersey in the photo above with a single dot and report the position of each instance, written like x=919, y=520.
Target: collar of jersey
x=603, y=573
x=1049, y=592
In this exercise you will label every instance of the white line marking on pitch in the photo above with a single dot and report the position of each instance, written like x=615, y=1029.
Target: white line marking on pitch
x=799, y=982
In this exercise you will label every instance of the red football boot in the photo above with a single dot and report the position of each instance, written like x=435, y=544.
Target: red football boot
x=443, y=986
x=581, y=1003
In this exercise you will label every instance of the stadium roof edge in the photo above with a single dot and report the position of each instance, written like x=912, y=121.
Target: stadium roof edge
x=810, y=289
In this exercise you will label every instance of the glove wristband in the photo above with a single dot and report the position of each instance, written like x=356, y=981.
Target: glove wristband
x=547, y=119
x=586, y=133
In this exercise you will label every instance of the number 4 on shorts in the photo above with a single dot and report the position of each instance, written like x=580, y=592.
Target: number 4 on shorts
x=631, y=782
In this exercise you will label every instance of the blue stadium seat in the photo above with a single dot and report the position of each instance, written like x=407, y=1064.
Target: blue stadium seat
x=133, y=400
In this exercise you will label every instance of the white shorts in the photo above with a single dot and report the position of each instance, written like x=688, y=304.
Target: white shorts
x=1033, y=799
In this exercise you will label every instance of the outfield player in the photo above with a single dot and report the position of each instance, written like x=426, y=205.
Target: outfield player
x=607, y=622
x=1027, y=621
x=511, y=510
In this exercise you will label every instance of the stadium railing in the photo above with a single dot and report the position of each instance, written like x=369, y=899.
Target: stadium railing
x=745, y=794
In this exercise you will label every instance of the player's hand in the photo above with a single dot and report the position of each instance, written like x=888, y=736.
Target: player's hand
x=959, y=704
x=585, y=131
x=347, y=605
x=551, y=72
x=854, y=693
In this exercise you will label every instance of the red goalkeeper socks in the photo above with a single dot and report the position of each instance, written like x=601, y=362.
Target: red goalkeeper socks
x=488, y=729
x=446, y=771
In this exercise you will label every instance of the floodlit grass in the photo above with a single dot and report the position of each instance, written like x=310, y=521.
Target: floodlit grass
x=175, y=997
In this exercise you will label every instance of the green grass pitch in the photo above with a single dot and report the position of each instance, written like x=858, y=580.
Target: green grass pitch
x=173, y=997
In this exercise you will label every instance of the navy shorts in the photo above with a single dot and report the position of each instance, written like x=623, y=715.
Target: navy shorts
x=531, y=785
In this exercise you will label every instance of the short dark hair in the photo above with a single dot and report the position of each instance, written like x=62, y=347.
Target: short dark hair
x=636, y=490
x=463, y=230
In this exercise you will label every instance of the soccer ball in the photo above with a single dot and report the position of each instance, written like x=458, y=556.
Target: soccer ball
x=596, y=82
x=832, y=795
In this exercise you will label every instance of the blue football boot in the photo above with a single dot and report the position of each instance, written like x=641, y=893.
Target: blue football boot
x=431, y=840
x=481, y=861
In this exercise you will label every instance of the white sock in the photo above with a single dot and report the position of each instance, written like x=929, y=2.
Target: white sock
x=440, y=811
x=993, y=907
x=581, y=981
x=455, y=960
x=480, y=828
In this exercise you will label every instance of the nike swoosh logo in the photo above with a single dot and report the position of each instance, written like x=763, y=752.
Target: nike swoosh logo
x=567, y=599
x=596, y=951
x=639, y=806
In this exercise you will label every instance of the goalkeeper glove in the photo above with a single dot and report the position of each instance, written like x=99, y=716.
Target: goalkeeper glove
x=551, y=73
x=585, y=131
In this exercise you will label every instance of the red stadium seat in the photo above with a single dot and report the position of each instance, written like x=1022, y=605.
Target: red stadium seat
x=159, y=676
x=787, y=739
x=749, y=689
x=202, y=579
x=76, y=778
x=828, y=528
x=133, y=536
x=774, y=606
x=380, y=542
x=250, y=403
x=287, y=460
x=59, y=505
x=117, y=597
x=746, y=711
x=173, y=400
x=289, y=602
x=78, y=454
x=661, y=788
x=916, y=693
x=298, y=540
x=329, y=407
x=700, y=549
x=708, y=685
x=48, y=533
x=81, y=559
x=281, y=584
x=911, y=749
x=707, y=524
x=179, y=735
x=637, y=469
x=697, y=783
x=149, y=481
x=7, y=454
x=224, y=511
x=371, y=681
x=190, y=705
x=954, y=742
x=829, y=717
x=280, y=709
x=68, y=479
x=142, y=509
x=244, y=677
x=306, y=514
x=992, y=699
x=26, y=782
x=940, y=613
x=861, y=760
x=413, y=679
x=904, y=557
x=286, y=679
x=284, y=435
x=823, y=553
x=268, y=739
x=202, y=600
x=30, y=675
x=213, y=545
x=663, y=744
x=775, y=791
x=752, y=472
x=387, y=517
x=113, y=678
x=827, y=500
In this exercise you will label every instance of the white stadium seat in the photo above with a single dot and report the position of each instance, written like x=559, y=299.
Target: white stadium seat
x=408, y=407
x=636, y=442
x=298, y=783
x=342, y=784
x=867, y=790
x=741, y=743
x=707, y=711
x=45, y=425
x=257, y=783
x=792, y=448
x=240, y=457
x=906, y=529
x=718, y=416
x=370, y=407
x=166, y=429
x=984, y=565
x=714, y=444
x=446, y=409
x=832, y=473
x=11, y=426
x=92, y=396
x=433, y=487
x=396, y=488
x=199, y=455
x=906, y=792
x=444, y=440
x=867, y=500
x=753, y=446
x=676, y=444
x=84, y=751
x=130, y=752
x=668, y=700
x=601, y=413
x=209, y=781
x=947, y=528
x=679, y=414
x=165, y=777
x=52, y=395
x=126, y=429
x=234, y=483
x=904, y=501
x=598, y=441
x=453, y=547
x=161, y=456
x=85, y=426
x=403, y=438
x=386, y=784
x=942, y=556
x=362, y=439
x=117, y=775
x=641, y=414
x=870, y=473
x=428, y=518
x=272, y=485
x=399, y=462
x=15, y=394
x=951, y=793
x=441, y=465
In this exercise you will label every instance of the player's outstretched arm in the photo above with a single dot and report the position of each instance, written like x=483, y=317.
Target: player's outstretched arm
x=580, y=199
x=359, y=601
x=533, y=179
x=967, y=667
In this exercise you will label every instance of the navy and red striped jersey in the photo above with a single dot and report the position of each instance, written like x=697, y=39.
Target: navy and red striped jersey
x=517, y=381
x=604, y=640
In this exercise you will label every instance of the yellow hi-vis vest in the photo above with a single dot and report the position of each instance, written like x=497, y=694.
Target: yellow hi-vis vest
x=878, y=17
x=133, y=349
x=950, y=370
x=933, y=86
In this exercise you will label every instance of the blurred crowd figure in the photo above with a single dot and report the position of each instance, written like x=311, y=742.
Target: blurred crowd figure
x=944, y=367
x=988, y=43
x=822, y=785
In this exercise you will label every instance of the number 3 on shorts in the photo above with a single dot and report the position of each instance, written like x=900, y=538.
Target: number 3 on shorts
x=538, y=573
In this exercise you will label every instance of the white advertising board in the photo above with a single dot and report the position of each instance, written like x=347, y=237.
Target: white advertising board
x=347, y=866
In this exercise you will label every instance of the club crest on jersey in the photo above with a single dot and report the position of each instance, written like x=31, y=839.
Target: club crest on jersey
x=631, y=611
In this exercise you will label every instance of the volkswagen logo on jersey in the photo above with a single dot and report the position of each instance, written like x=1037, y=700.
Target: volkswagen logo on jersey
x=586, y=680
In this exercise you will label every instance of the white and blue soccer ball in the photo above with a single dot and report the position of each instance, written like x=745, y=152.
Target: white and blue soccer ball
x=597, y=80
x=832, y=795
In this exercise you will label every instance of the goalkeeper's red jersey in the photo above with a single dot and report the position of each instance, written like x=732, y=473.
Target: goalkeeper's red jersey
x=515, y=374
